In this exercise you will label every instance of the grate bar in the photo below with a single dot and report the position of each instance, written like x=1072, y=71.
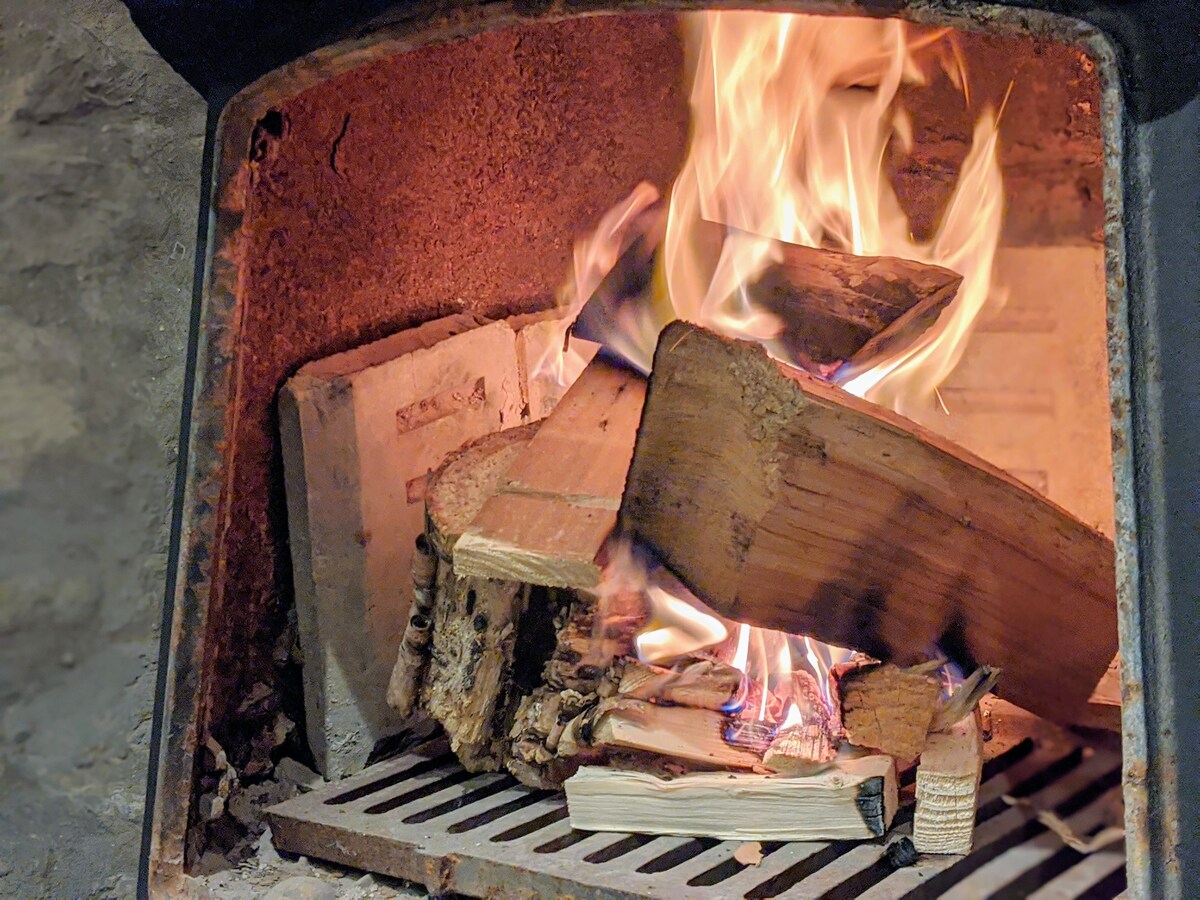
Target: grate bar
x=931, y=877
x=1078, y=880
x=421, y=817
x=636, y=858
x=1024, y=857
x=745, y=878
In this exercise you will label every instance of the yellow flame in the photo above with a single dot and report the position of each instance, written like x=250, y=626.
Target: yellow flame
x=793, y=717
x=792, y=116
x=677, y=628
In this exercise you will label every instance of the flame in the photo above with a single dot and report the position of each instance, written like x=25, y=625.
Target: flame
x=792, y=117
x=786, y=678
x=793, y=717
x=677, y=624
x=677, y=628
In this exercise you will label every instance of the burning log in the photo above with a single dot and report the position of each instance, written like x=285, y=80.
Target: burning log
x=785, y=502
x=678, y=732
x=701, y=684
x=801, y=750
x=852, y=800
x=841, y=307
x=948, y=790
x=558, y=501
x=888, y=708
x=810, y=745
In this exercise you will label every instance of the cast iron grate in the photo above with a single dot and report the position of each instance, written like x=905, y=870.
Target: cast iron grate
x=421, y=817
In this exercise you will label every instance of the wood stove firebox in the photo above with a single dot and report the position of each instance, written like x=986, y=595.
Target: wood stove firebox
x=436, y=168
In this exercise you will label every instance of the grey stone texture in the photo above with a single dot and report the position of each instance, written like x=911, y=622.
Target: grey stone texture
x=100, y=148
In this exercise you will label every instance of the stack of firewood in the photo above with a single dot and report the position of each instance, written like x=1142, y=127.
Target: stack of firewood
x=782, y=502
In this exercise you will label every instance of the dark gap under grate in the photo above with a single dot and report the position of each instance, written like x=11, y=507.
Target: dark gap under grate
x=528, y=828
x=518, y=840
x=627, y=844
x=496, y=812
x=374, y=787
x=678, y=856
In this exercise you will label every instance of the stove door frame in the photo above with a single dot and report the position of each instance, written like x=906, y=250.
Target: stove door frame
x=1151, y=129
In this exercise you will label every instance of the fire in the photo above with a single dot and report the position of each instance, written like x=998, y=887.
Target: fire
x=792, y=116
x=786, y=678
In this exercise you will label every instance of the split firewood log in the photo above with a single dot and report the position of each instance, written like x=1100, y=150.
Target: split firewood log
x=676, y=732
x=887, y=708
x=833, y=307
x=948, y=790
x=557, y=503
x=801, y=750
x=785, y=502
x=837, y=307
x=854, y=799
x=698, y=683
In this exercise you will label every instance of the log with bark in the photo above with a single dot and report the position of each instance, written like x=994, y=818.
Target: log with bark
x=557, y=503
x=468, y=629
x=785, y=502
x=852, y=800
x=575, y=678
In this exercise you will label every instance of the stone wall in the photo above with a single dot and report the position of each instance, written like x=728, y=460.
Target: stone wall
x=100, y=143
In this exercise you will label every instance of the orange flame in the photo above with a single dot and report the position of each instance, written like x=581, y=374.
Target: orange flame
x=791, y=118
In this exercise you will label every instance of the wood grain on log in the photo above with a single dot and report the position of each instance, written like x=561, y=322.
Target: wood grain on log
x=837, y=306
x=785, y=502
x=557, y=503
x=700, y=683
x=801, y=749
x=852, y=800
x=887, y=708
x=948, y=790
x=678, y=732
x=360, y=431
